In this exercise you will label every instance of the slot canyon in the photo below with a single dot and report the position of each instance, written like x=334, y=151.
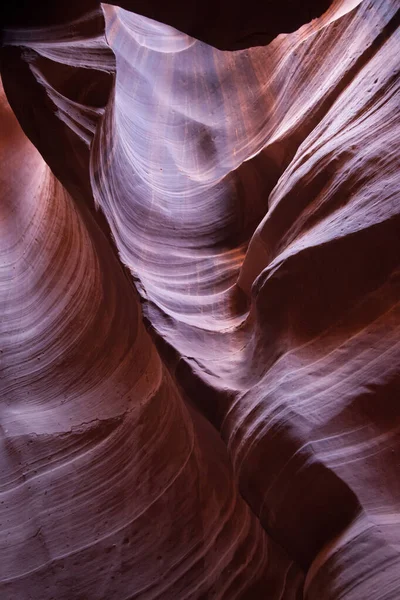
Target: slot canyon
x=200, y=300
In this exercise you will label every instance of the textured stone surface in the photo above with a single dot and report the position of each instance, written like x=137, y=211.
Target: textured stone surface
x=199, y=290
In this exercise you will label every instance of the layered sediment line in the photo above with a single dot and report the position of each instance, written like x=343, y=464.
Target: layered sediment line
x=200, y=298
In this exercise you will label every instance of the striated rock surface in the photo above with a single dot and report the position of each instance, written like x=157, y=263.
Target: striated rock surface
x=111, y=486
x=200, y=321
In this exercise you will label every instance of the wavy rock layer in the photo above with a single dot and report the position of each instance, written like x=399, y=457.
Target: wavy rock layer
x=111, y=487
x=249, y=446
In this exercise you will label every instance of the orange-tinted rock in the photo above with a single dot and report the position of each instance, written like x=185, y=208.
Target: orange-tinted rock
x=247, y=444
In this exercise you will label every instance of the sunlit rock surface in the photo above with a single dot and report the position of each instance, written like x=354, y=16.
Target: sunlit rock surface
x=199, y=291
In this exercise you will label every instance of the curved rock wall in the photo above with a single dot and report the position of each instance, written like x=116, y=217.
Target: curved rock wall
x=246, y=445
